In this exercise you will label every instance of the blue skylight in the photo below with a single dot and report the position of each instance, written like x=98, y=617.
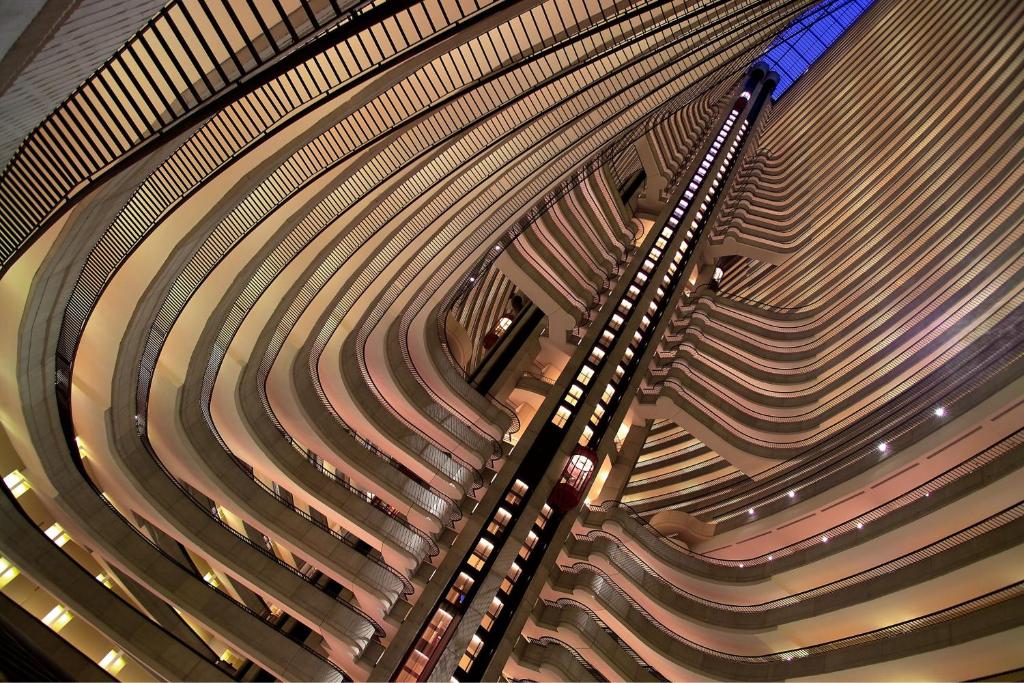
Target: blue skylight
x=800, y=45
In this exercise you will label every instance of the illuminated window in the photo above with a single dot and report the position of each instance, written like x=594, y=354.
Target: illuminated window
x=619, y=369
x=598, y=413
x=607, y=338
x=105, y=580
x=475, y=645
x=498, y=523
x=628, y=355
x=232, y=659
x=660, y=243
x=113, y=662
x=528, y=545
x=609, y=391
x=585, y=436
x=457, y=593
x=648, y=266
x=641, y=278
x=586, y=373
x=596, y=355
x=665, y=232
x=57, y=618
x=57, y=534
x=645, y=322
x=633, y=291
x=8, y=572
x=480, y=554
x=17, y=483
x=616, y=321
x=516, y=493
x=544, y=517
x=575, y=394
x=428, y=643
x=514, y=572
x=493, y=610
x=655, y=253
x=211, y=578
x=562, y=415
x=624, y=306
x=637, y=338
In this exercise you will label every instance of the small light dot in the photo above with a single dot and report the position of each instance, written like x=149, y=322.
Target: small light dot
x=860, y=525
x=926, y=494
x=940, y=411
x=497, y=247
x=751, y=510
x=472, y=279
x=883, y=447
x=741, y=565
x=824, y=539
x=769, y=558
x=792, y=494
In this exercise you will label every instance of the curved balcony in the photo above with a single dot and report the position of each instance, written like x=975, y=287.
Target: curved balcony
x=960, y=623
x=970, y=476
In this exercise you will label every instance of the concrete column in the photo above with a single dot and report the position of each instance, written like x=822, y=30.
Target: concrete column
x=624, y=461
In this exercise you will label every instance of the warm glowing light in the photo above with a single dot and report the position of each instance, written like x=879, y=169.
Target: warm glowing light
x=112, y=662
x=8, y=572
x=883, y=447
x=770, y=558
x=940, y=411
x=860, y=525
x=792, y=494
x=57, y=618
x=751, y=510
x=57, y=534
x=17, y=483
x=824, y=539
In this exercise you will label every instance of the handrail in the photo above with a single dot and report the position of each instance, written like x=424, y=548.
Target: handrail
x=378, y=631
x=407, y=588
x=927, y=495
x=955, y=382
x=600, y=623
x=80, y=467
x=48, y=171
x=634, y=610
x=613, y=149
x=498, y=218
x=546, y=641
x=626, y=561
x=317, y=462
x=208, y=656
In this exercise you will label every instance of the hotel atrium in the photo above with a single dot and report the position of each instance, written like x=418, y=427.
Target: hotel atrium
x=512, y=340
